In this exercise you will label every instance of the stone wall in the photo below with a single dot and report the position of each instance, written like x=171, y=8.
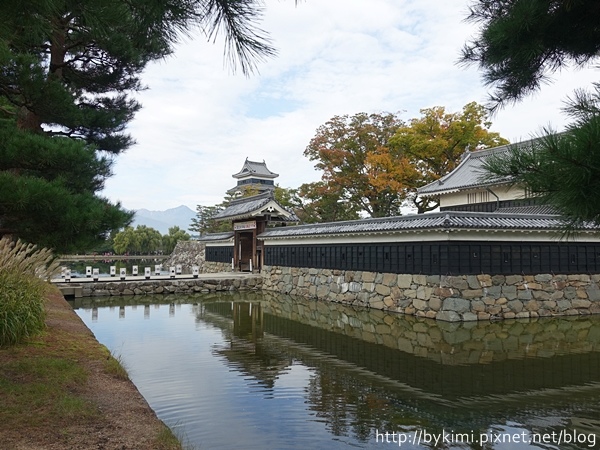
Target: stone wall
x=170, y=286
x=446, y=298
x=216, y=267
x=188, y=254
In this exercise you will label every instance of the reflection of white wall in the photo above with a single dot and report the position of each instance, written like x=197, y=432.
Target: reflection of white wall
x=471, y=196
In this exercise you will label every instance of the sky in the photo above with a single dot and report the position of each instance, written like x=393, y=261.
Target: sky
x=200, y=120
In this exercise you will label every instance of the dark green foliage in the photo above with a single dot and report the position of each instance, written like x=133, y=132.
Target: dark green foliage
x=563, y=169
x=204, y=221
x=522, y=41
x=68, y=69
x=47, y=191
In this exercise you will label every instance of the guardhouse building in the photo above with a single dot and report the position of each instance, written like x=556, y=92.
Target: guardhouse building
x=250, y=215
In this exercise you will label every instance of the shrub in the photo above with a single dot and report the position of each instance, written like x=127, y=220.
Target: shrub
x=22, y=310
x=23, y=272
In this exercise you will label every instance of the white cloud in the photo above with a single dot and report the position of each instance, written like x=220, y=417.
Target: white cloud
x=199, y=121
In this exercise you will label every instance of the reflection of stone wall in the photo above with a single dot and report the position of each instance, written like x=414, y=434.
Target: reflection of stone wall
x=188, y=254
x=447, y=298
x=174, y=286
x=443, y=342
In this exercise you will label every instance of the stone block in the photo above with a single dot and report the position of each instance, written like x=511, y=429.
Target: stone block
x=477, y=306
x=493, y=291
x=457, y=283
x=473, y=282
x=544, y=277
x=368, y=287
x=469, y=317
x=389, y=279
x=433, y=280
x=421, y=280
x=484, y=280
x=515, y=305
x=510, y=292
x=580, y=303
x=498, y=280
x=404, y=281
x=532, y=305
x=541, y=295
x=354, y=286
x=472, y=293
x=368, y=277
x=424, y=292
x=525, y=295
x=593, y=293
x=458, y=305
x=435, y=303
x=382, y=289
x=443, y=292
x=570, y=292
x=419, y=304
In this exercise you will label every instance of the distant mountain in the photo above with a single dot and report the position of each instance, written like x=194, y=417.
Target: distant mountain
x=163, y=220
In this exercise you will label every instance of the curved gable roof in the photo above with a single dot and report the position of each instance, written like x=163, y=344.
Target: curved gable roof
x=255, y=168
x=469, y=173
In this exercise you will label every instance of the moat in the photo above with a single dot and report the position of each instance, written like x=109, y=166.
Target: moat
x=265, y=371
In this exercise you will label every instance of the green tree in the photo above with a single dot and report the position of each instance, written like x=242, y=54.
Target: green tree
x=126, y=241
x=139, y=240
x=150, y=240
x=204, y=221
x=522, y=41
x=321, y=202
x=431, y=146
x=345, y=148
x=563, y=169
x=68, y=72
x=170, y=240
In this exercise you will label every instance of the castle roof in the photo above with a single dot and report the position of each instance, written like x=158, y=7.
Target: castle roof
x=469, y=174
x=256, y=205
x=254, y=168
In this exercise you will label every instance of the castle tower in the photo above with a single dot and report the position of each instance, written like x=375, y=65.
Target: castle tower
x=253, y=176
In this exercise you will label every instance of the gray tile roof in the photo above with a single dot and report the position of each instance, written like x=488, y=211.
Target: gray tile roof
x=430, y=221
x=249, y=206
x=533, y=209
x=209, y=237
x=469, y=173
x=255, y=168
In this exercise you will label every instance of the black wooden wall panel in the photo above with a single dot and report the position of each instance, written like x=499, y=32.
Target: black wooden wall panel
x=434, y=258
x=219, y=254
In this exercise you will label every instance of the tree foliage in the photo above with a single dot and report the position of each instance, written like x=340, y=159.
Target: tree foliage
x=563, y=169
x=522, y=41
x=204, y=221
x=346, y=149
x=169, y=241
x=321, y=202
x=147, y=241
x=374, y=163
x=68, y=72
x=429, y=147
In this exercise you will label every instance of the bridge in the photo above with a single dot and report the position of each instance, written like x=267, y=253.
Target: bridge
x=66, y=258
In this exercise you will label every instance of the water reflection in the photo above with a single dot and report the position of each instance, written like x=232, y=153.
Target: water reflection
x=294, y=373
